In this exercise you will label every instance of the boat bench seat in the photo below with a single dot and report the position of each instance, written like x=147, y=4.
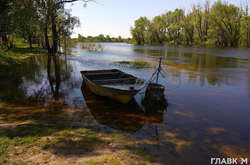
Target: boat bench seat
x=104, y=81
x=100, y=73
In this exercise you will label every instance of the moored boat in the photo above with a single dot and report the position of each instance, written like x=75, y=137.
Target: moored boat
x=113, y=84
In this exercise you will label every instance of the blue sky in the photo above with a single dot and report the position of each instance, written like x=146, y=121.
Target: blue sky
x=115, y=17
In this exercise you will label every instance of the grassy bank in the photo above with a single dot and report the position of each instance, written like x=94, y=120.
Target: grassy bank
x=31, y=144
x=9, y=58
x=18, y=55
x=29, y=138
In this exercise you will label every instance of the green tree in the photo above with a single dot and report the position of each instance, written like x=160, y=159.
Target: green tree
x=200, y=20
x=108, y=39
x=7, y=23
x=27, y=20
x=189, y=29
x=49, y=11
x=100, y=38
x=119, y=38
x=66, y=25
x=225, y=25
x=175, y=26
x=245, y=32
x=159, y=28
x=140, y=30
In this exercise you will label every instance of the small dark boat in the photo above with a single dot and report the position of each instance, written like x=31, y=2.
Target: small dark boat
x=113, y=84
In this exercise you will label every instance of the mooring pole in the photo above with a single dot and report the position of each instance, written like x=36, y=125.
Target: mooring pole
x=158, y=70
x=154, y=98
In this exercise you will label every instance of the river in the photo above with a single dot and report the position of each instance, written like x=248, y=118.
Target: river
x=208, y=91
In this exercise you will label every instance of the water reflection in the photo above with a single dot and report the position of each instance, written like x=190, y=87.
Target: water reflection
x=125, y=117
x=196, y=61
x=12, y=80
x=212, y=67
x=54, y=78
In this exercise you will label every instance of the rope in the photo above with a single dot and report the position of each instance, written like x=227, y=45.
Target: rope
x=151, y=79
x=159, y=71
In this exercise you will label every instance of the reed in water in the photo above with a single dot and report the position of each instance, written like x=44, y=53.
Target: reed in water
x=93, y=47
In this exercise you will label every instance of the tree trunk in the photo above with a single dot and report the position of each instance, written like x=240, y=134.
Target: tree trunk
x=54, y=34
x=46, y=38
x=5, y=40
x=30, y=41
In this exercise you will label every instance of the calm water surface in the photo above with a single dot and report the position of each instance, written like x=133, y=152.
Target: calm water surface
x=208, y=91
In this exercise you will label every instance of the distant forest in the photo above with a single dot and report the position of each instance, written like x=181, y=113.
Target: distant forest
x=102, y=38
x=219, y=25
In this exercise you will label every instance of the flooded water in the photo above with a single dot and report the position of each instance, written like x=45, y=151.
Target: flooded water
x=208, y=91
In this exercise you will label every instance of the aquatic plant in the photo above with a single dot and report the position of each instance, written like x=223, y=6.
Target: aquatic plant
x=136, y=64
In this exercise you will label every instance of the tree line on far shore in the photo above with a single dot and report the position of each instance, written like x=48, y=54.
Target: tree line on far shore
x=102, y=38
x=219, y=25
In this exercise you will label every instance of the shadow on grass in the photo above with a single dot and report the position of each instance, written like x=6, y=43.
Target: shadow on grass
x=49, y=129
x=24, y=135
x=76, y=142
x=27, y=130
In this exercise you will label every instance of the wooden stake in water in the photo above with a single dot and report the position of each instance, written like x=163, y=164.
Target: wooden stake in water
x=158, y=70
x=154, y=98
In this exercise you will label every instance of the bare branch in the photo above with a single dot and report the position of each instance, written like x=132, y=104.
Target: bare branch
x=71, y=1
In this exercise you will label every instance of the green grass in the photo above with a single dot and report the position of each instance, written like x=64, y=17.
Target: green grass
x=11, y=58
x=28, y=51
x=118, y=158
x=19, y=162
x=1, y=104
x=20, y=43
x=18, y=55
x=117, y=137
x=136, y=64
x=139, y=163
x=6, y=142
x=109, y=160
x=75, y=141
x=32, y=129
x=31, y=139
x=21, y=135
x=86, y=143
x=140, y=151
x=16, y=141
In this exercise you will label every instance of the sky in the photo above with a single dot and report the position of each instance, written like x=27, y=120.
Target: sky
x=116, y=17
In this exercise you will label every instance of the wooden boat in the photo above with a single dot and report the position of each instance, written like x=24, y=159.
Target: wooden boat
x=113, y=84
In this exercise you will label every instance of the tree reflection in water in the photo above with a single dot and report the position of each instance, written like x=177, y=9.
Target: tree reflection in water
x=54, y=75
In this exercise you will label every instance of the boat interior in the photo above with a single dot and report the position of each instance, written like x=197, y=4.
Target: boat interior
x=113, y=76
